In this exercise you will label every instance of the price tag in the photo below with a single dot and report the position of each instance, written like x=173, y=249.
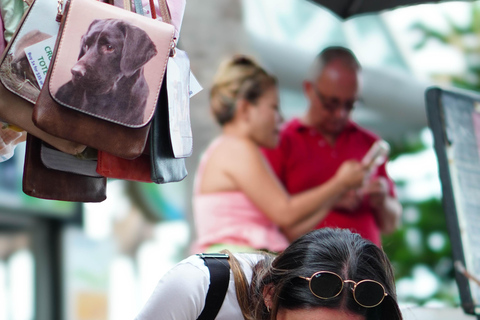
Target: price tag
x=39, y=56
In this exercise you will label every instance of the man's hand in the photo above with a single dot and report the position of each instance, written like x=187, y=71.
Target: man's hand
x=387, y=209
x=377, y=191
x=351, y=174
x=349, y=202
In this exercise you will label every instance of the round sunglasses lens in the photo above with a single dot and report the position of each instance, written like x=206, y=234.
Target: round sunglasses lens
x=326, y=285
x=369, y=293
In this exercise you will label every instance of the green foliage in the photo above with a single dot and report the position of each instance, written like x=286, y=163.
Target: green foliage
x=409, y=146
x=419, y=241
x=428, y=220
x=464, y=38
x=422, y=240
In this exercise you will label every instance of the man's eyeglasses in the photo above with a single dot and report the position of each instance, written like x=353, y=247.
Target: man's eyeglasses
x=332, y=104
x=328, y=285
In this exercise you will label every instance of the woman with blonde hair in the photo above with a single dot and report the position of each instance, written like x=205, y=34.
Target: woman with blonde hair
x=238, y=202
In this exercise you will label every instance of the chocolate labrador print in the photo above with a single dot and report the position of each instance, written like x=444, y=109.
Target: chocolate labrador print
x=108, y=76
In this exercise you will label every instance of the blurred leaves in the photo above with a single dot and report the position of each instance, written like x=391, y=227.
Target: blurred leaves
x=407, y=146
x=423, y=239
x=466, y=39
x=430, y=221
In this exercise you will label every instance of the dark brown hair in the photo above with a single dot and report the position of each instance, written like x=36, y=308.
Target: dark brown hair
x=335, y=250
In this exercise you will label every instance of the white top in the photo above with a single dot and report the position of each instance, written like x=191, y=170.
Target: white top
x=180, y=294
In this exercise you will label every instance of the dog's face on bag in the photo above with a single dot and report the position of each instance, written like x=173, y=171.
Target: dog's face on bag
x=110, y=49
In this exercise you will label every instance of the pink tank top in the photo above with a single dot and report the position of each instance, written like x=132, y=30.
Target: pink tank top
x=231, y=218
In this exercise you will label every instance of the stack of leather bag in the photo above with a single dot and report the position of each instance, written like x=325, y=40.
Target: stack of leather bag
x=112, y=103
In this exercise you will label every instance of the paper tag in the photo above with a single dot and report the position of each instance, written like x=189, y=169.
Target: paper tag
x=39, y=56
x=195, y=86
x=178, y=83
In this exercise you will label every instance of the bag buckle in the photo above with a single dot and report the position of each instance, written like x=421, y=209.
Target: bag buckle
x=213, y=255
x=59, y=11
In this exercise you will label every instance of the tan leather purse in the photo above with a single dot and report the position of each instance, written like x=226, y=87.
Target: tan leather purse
x=19, y=88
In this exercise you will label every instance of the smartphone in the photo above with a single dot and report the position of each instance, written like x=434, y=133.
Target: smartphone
x=377, y=154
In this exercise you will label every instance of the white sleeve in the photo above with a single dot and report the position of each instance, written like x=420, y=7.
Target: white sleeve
x=180, y=294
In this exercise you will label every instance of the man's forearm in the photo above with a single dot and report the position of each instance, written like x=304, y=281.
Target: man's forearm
x=388, y=215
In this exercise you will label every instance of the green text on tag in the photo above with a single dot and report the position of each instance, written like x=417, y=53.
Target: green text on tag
x=39, y=56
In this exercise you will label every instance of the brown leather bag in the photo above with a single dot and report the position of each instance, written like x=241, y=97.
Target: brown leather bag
x=41, y=182
x=18, y=87
x=17, y=111
x=107, y=114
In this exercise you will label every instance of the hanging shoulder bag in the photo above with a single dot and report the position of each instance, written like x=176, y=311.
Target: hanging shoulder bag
x=108, y=68
x=23, y=66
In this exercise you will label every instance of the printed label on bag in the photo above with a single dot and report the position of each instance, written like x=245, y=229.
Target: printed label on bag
x=39, y=56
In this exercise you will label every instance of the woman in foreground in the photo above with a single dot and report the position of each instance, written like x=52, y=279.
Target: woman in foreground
x=326, y=274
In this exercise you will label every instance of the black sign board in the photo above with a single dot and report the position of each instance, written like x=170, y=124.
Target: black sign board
x=454, y=118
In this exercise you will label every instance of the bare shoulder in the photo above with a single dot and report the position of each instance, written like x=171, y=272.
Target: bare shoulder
x=236, y=156
x=238, y=148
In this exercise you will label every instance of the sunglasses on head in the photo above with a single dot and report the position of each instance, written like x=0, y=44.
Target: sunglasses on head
x=328, y=285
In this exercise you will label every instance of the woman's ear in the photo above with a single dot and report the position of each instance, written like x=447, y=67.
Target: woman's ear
x=242, y=107
x=268, y=292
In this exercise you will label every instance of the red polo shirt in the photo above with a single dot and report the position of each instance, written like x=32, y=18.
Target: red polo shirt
x=304, y=159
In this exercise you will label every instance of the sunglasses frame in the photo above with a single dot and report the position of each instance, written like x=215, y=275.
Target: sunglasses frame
x=355, y=284
x=332, y=106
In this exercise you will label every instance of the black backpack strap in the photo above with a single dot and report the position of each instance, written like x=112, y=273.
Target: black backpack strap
x=219, y=268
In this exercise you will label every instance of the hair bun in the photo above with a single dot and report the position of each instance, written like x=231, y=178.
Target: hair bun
x=238, y=77
x=243, y=60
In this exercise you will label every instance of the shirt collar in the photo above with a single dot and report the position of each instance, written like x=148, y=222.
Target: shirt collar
x=299, y=126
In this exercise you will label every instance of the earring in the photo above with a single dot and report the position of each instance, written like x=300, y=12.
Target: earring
x=268, y=309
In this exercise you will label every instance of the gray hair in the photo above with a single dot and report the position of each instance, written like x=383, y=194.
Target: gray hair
x=330, y=54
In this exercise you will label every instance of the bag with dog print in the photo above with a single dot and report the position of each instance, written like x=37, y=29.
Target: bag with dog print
x=169, y=132
x=157, y=164
x=103, y=86
x=22, y=68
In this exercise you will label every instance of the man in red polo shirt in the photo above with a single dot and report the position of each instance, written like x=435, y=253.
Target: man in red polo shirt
x=313, y=147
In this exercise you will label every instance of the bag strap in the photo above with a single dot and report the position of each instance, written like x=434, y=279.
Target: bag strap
x=164, y=12
x=139, y=7
x=127, y=5
x=166, y=17
x=219, y=268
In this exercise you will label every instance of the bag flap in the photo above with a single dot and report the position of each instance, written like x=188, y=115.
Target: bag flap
x=41, y=182
x=60, y=161
x=110, y=62
x=31, y=45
